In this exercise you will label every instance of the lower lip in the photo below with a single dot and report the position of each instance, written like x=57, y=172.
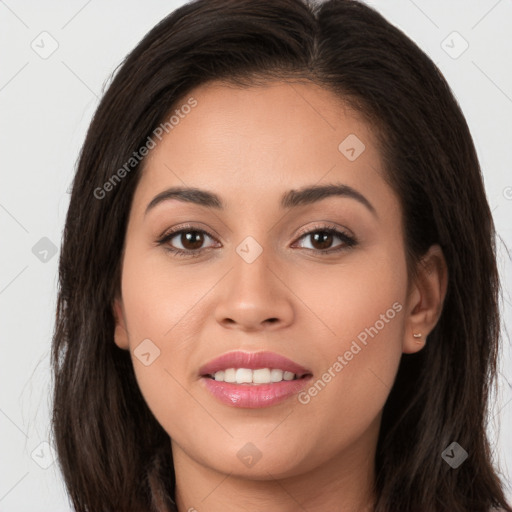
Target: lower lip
x=253, y=396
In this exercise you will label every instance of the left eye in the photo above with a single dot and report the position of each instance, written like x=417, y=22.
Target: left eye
x=323, y=239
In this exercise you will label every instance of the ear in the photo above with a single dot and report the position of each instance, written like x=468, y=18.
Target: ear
x=425, y=300
x=121, y=332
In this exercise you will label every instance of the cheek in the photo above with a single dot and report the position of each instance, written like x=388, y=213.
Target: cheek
x=359, y=366
x=360, y=315
x=165, y=312
x=162, y=302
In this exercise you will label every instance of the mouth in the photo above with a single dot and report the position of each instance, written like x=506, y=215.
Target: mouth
x=253, y=379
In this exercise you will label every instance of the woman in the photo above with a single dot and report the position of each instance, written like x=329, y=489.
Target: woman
x=278, y=287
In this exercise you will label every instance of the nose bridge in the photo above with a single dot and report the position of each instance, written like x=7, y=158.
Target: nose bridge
x=251, y=272
x=253, y=297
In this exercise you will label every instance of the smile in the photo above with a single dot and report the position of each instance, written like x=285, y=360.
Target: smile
x=253, y=379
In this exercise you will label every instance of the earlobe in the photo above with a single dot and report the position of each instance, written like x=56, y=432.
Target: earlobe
x=120, y=333
x=426, y=299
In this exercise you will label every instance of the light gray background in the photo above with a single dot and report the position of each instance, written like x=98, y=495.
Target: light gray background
x=46, y=105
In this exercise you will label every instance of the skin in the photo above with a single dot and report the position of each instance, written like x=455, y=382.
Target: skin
x=249, y=146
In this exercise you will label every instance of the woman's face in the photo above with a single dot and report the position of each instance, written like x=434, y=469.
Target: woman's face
x=318, y=278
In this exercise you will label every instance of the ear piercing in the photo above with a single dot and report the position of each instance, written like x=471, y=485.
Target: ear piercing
x=418, y=337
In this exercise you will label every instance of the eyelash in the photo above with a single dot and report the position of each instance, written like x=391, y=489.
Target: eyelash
x=347, y=241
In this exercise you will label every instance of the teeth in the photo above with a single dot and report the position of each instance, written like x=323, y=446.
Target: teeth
x=261, y=376
x=248, y=376
x=276, y=375
x=243, y=376
x=229, y=375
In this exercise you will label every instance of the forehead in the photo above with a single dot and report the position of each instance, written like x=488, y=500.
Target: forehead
x=253, y=140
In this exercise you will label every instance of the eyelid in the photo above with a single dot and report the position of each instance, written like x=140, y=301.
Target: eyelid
x=324, y=226
x=184, y=227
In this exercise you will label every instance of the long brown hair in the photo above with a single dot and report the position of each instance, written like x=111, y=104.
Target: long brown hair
x=113, y=454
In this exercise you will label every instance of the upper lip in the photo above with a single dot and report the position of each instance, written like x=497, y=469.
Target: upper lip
x=253, y=361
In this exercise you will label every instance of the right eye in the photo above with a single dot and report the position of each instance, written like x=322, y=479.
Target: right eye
x=186, y=242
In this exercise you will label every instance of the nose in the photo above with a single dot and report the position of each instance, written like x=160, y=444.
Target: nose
x=253, y=297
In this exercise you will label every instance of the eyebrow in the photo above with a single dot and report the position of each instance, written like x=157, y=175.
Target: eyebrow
x=291, y=199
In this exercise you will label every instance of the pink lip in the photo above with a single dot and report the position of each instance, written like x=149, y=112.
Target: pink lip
x=251, y=395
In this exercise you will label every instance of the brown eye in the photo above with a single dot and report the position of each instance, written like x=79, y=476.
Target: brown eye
x=188, y=242
x=191, y=240
x=326, y=240
x=321, y=240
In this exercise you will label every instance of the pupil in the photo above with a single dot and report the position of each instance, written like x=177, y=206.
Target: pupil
x=192, y=239
x=322, y=238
